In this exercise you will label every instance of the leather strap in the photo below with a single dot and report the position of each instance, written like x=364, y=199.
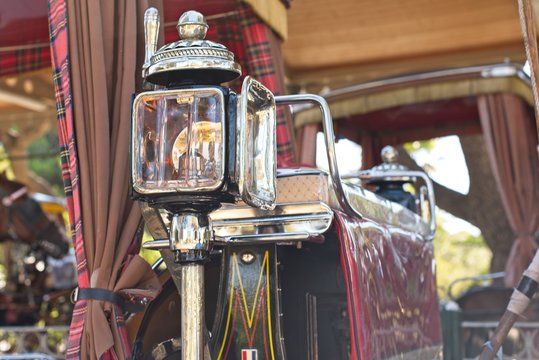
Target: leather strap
x=108, y=296
x=527, y=286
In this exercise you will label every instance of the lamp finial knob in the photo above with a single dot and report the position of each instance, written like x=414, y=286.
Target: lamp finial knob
x=389, y=154
x=192, y=26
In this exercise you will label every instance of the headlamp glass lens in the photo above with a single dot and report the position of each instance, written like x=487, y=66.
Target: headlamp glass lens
x=178, y=141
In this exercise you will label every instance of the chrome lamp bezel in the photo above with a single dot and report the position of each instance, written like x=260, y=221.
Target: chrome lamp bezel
x=142, y=191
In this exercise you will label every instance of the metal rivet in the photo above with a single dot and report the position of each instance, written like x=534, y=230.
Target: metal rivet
x=248, y=257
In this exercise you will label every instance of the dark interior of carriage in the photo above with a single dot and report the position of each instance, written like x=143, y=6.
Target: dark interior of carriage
x=314, y=308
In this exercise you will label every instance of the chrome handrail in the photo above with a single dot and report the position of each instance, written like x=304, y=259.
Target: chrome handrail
x=477, y=278
x=472, y=72
x=369, y=175
x=329, y=137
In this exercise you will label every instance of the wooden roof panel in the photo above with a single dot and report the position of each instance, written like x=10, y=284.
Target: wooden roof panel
x=326, y=35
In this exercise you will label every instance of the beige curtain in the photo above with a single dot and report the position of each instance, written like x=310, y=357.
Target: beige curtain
x=103, y=53
x=510, y=136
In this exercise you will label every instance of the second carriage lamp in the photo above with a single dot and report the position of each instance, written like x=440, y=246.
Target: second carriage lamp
x=197, y=144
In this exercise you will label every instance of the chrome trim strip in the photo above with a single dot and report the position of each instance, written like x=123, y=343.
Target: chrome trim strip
x=157, y=264
x=279, y=238
x=268, y=220
x=287, y=223
x=472, y=72
x=160, y=244
x=45, y=198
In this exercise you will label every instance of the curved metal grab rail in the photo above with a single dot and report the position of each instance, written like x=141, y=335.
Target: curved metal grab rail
x=329, y=137
x=476, y=278
x=368, y=174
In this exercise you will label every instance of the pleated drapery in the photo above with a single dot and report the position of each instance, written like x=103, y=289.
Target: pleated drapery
x=93, y=46
x=510, y=136
x=94, y=55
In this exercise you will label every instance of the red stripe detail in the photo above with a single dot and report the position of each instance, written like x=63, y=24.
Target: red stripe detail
x=231, y=330
x=349, y=275
x=265, y=336
x=244, y=321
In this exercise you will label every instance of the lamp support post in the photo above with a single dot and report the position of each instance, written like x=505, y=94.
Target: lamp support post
x=213, y=159
x=192, y=313
x=190, y=239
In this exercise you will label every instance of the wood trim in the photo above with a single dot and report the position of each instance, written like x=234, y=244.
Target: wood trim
x=307, y=144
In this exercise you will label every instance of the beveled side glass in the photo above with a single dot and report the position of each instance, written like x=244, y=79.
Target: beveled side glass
x=257, y=149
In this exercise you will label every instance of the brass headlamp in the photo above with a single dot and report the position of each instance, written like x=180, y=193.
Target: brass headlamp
x=196, y=144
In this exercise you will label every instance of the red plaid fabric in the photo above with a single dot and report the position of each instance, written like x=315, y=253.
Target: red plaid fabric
x=68, y=153
x=25, y=59
x=249, y=38
x=243, y=33
x=70, y=172
x=260, y=63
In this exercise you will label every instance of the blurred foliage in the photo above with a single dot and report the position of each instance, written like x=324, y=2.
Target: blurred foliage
x=150, y=256
x=457, y=256
x=48, y=167
x=4, y=163
x=427, y=145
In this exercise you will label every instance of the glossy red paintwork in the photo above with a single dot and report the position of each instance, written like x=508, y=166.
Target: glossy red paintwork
x=23, y=22
x=391, y=286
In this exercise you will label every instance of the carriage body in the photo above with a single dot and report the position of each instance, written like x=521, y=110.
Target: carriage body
x=311, y=280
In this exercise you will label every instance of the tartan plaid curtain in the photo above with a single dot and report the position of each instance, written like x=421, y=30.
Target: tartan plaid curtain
x=68, y=155
x=256, y=48
x=94, y=169
x=25, y=59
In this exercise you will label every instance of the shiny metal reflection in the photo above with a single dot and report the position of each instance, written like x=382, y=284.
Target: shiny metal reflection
x=256, y=146
x=286, y=223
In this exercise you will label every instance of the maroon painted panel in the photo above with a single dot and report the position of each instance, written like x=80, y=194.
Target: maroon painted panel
x=23, y=22
x=449, y=113
x=391, y=287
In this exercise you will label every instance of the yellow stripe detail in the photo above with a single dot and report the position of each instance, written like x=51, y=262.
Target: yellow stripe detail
x=251, y=317
x=229, y=314
x=270, y=332
x=236, y=270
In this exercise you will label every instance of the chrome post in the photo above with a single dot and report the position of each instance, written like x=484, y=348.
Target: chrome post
x=190, y=240
x=192, y=299
x=151, y=35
